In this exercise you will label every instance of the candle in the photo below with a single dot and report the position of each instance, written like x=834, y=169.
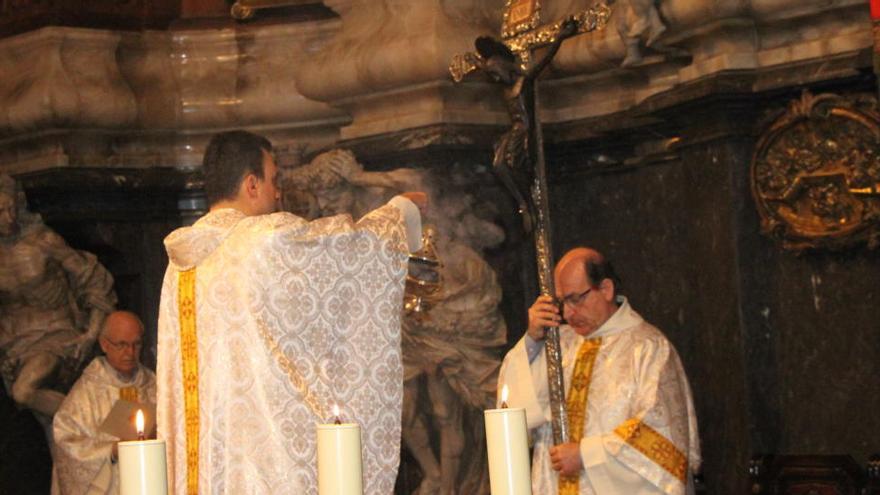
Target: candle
x=508, y=449
x=339, y=458
x=142, y=464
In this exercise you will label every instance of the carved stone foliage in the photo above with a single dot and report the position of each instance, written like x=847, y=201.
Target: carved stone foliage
x=816, y=174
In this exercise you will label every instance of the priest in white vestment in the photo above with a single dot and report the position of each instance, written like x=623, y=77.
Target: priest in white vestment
x=631, y=417
x=267, y=321
x=85, y=457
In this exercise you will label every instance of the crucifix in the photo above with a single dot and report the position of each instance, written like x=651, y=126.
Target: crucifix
x=519, y=152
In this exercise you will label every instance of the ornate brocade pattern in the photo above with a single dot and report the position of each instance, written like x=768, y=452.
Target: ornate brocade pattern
x=293, y=375
x=655, y=446
x=293, y=317
x=578, y=394
x=189, y=352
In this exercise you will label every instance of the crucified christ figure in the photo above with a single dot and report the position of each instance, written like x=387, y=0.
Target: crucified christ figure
x=514, y=150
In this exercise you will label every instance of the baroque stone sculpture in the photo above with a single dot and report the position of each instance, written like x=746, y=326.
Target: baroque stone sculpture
x=638, y=21
x=450, y=345
x=53, y=300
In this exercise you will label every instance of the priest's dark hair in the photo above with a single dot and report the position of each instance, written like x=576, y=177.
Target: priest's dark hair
x=598, y=269
x=230, y=157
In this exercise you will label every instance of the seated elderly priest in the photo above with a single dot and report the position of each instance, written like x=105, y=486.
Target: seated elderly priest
x=85, y=452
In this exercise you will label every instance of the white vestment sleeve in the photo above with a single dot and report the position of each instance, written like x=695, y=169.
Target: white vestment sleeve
x=527, y=384
x=413, y=219
x=81, y=451
x=659, y=402
x=606, y=473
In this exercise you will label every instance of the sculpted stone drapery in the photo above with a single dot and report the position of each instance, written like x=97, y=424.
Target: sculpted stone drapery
x=53, y=300
x=449, y=350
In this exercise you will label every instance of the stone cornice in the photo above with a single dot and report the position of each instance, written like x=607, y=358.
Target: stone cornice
x=152, y=98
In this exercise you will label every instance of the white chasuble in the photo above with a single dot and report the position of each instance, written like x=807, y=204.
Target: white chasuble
x=639, y=433
x=81, y=458
x=285, y=318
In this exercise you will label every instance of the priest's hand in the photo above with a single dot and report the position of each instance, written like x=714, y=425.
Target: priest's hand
x=566, y=458
x=419, y=198
x=544, y=313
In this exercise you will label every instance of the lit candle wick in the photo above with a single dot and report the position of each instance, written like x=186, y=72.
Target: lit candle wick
x=139, y=422
x=337, y=421
x=504, y=393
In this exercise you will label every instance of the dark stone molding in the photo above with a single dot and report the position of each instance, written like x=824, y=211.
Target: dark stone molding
x=113, y=194
x=430, y=146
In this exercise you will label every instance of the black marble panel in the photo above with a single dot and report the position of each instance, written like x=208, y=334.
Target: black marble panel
x=781, y=349
x=25, y=462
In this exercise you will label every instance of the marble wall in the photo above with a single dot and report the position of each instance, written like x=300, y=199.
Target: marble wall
x=781, y=348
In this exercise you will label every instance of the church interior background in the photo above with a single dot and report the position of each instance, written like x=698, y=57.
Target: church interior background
x=726, y=160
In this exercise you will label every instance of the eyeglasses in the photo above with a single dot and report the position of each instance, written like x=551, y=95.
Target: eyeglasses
x=121, y=346
x=574, y=299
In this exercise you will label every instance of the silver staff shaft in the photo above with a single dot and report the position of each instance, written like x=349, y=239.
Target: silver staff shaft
x=544, y=255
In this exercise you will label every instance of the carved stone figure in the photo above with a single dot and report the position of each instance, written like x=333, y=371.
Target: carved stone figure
x=638, y=21
x=53, y=300
x=450, y=346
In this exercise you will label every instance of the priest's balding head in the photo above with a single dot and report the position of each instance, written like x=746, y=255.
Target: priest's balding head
x=587, y=287
x=122, y=338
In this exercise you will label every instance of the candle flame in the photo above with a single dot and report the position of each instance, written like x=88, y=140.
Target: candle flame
x=139, y=422
x=504, y=393
x=336, y=410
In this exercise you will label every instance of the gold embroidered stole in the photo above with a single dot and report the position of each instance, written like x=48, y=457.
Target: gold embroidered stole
x=128, y=393
x=189, y=356
x=576, y=405
x=654, y=446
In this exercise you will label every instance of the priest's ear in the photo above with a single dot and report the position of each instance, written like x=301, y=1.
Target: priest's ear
x=608, y=289
x=250, y=186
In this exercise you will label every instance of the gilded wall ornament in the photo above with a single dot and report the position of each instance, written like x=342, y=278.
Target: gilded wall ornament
x=816, y=174
x=520, y=16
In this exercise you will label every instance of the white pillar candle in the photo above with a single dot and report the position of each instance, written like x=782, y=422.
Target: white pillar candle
x=508, y=449
x=142, y=468
x=339, y=459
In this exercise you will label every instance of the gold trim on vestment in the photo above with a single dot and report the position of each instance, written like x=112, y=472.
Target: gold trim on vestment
x=576, y=404
x=293, y=375
x=654, y=446
x=128, y=393
x=189, y=356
